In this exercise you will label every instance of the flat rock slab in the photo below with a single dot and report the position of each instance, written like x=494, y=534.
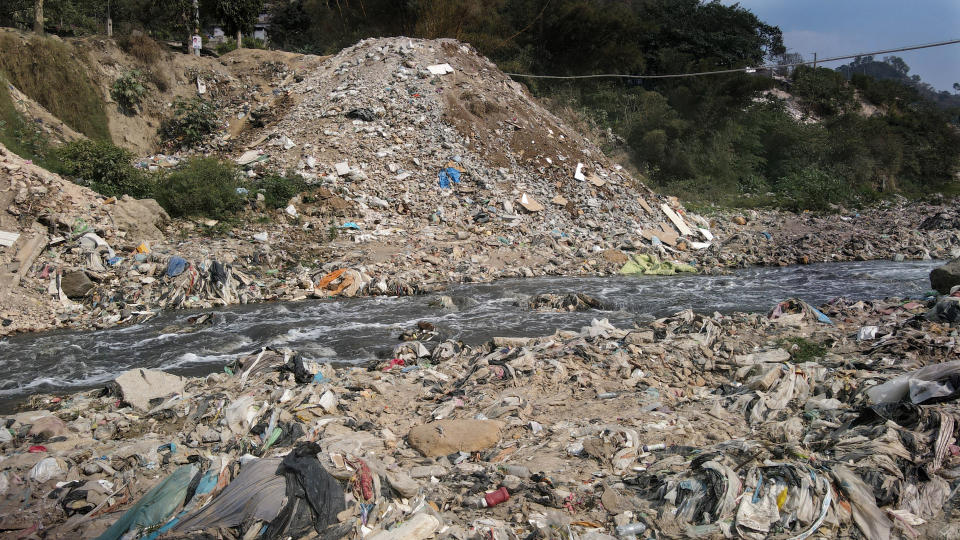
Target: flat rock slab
x=139, y=386
x=446, y=437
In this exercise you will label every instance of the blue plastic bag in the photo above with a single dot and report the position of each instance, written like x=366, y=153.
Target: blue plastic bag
x=448, y=176
x=176, y=266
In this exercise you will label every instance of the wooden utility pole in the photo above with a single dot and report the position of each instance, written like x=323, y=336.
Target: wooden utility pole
x=814, y=59
x=109, y=21
x=38, y=16
x=239, y=42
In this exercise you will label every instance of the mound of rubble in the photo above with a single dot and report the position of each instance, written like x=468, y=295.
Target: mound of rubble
x=839, y=421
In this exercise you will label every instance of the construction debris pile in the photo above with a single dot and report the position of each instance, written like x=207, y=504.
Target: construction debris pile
x=834, y=421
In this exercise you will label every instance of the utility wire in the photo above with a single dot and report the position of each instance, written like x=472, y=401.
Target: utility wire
x=734, y=70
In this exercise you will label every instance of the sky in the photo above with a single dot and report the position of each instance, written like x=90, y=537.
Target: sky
x=841, y=27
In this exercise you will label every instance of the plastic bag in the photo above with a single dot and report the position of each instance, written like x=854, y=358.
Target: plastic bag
x=916, y=384
x=45, y=470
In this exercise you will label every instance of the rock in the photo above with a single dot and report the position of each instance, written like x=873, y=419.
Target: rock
x=740, y=220
x=449, y=436
x=47, y=427
x=946, y=310
x=943, y=278
x=141, y=219
x=403, y=484
x=75, y=284
x=138, y=386
x=615, y=256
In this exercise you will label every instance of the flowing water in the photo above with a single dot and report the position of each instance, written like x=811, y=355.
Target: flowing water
x=361, y=329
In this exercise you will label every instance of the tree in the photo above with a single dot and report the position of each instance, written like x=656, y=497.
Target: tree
x=38, y=16
x=238, y=15
x=898, y=64
x=956, y=87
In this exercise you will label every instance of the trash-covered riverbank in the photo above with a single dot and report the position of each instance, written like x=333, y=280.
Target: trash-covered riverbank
x=423, y=166
x=835, y=420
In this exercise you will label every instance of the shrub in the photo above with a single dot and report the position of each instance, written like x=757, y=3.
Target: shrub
x=203, y=187
x=128, y=90
x=813, y=188
x=101, y=166
x=278, y=190
x=226, y=46
x=141, y=46
x=192, y=120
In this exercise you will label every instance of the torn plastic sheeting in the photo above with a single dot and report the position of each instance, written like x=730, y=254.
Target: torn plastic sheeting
x=314, y=497
x=937, y=381
x=869, y=518
x=448, y=176
x=651, y=265
x=154, y=507
x=795, y=306
x=257, y=493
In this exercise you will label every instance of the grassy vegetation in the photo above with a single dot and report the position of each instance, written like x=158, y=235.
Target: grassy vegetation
x=54, y=76
x=16, y=133
x=141, y=47
x=802, y=349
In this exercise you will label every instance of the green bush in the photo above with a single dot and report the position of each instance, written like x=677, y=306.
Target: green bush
x=192, y=120
x=203, y=187
x=278, y=190
x=103, y=167
x=128, y=90
x=813, y=188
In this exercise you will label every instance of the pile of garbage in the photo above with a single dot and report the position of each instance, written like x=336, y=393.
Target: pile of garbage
x=834, y=421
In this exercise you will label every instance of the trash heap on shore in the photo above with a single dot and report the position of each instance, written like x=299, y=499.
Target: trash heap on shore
x=837, y=421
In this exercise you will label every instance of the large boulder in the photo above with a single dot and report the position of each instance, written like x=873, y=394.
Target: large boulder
x=75, y=284
x=139, y=386
x=445, y=437
x=943, y=278
x=142, y=219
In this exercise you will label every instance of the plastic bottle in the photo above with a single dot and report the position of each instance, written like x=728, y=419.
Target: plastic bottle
x=493, y=498
x=654, y=447
x=631, y=529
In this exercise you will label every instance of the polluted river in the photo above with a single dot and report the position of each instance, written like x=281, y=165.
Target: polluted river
x=363, y=329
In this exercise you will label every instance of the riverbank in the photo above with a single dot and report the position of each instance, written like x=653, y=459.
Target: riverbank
x=753, y=424
x=88, y=262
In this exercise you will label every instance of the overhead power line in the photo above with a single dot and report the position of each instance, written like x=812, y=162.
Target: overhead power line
x=734, y=70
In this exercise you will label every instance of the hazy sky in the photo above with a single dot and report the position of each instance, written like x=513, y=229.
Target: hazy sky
x=840, y=27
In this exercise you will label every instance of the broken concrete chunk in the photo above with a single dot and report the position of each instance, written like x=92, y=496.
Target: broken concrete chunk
x=138, y=386
x=445, y=437
x=440, y=69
